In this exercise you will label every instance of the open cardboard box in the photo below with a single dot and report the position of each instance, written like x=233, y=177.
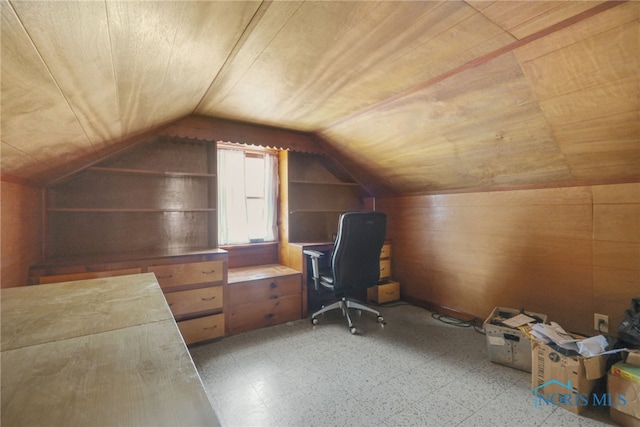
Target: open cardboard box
x=623, y=385
x=565, y=381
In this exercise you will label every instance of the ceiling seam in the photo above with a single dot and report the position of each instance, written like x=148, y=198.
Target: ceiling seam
x=113, y=69
x=53, y=79
x=255, y=19
x=477, y=61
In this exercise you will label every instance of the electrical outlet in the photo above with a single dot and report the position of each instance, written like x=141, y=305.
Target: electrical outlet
x=601, y=322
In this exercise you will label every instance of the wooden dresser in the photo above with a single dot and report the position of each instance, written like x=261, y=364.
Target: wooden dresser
x=262, y=296
x=97, y=352
x=193, y=283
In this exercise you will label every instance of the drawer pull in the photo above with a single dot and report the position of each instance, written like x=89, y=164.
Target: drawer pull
x=208, y=299
x=165, y=277
x=389, y=292
x=274, y=285
x=207, y=328
x=208, y=272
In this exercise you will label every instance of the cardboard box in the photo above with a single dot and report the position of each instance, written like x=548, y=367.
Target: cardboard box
x=633, y=357
x=626, y=371
x=385, y=292
x=508, y=346
x=565, y=381
x=625, y=398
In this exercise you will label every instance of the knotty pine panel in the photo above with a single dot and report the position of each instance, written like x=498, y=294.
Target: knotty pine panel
x=472, y=252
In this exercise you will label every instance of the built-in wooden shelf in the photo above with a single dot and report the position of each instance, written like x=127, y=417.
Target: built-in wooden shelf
x=296, y=211
x=349, y=184
x=171, y=174
x=112, y=210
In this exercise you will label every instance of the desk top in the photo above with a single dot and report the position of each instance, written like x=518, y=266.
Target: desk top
x=97, y=352
x=245, y=274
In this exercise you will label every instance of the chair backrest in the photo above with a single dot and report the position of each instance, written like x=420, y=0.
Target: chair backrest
x=355, y=261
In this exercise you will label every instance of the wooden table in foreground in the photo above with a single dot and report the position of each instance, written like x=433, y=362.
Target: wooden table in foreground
x=97, y=352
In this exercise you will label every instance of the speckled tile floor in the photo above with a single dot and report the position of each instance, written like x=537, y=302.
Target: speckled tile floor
x=412, y=371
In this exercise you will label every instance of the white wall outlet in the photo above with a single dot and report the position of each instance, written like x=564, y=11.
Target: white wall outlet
x=601, y=322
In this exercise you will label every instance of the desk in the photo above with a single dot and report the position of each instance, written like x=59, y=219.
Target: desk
x=97, y=352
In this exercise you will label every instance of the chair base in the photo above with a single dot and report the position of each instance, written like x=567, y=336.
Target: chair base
x=345, y=304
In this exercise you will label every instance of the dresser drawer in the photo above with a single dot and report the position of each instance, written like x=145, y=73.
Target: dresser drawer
x=260, y=314
x=386, y=251
x=384, y=293
x=385, y=268
x=195, y=300
x=264, y=289
x=184, y=274
x=202, y=328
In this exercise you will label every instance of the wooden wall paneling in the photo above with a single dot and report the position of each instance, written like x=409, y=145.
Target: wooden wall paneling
x=372, y=55
x=284, y=254
x=268, y=22
x=586, y=80
x=475, y=251
x=164, y=154
x=616, y=248
x=486, y=115
x=115, y=191
x=523, y=19
x=85, y=61
x=159, y=196
x=36, y=118
x=91, y=233
x=21, y=216
x=20, y=165
x=152, y=50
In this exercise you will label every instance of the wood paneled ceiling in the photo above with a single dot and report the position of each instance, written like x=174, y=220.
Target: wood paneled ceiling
x=411, y=97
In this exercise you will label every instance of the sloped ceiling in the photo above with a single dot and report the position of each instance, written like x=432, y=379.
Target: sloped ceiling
x=411, y=97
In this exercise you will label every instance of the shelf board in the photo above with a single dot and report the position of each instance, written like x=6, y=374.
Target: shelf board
x=145, y=172
x=296, y=211
x=349, y=184
x=115, y=210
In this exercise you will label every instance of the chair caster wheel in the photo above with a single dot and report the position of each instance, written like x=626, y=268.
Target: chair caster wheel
x=314, y=321
x=353, y=330
x=380, y=319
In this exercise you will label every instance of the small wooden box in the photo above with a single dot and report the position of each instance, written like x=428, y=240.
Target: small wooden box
x=384, y=293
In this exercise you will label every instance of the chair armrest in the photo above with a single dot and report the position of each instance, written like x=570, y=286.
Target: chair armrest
x=315, y=256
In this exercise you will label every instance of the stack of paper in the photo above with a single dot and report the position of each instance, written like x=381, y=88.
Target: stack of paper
x=587, y=347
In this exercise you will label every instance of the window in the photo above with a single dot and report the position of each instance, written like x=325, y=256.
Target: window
x=247, y=195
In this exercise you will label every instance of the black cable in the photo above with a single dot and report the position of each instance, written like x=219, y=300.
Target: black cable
x=449, y=320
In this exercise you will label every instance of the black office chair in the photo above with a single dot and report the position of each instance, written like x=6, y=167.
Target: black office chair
x=355, y=262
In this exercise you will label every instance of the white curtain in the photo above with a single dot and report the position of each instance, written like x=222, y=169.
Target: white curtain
x=232, y=201
x=233, y=217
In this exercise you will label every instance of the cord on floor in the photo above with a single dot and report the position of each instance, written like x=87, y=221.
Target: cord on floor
x=449, y=320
